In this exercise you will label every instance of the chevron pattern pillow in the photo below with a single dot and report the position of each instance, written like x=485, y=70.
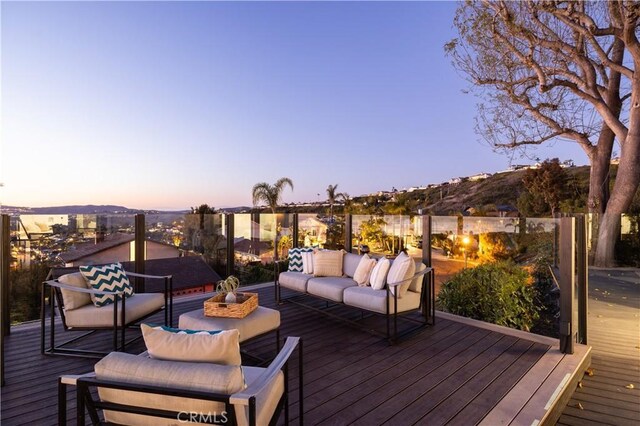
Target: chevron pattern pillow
x=295, y=258
x=107, y=278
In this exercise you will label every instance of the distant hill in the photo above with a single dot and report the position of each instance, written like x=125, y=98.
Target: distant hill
x=75, y=209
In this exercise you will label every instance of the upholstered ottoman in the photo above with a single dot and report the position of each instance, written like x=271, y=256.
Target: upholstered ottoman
x=258, y=322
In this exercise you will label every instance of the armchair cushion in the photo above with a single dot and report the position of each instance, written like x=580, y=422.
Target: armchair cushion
x=74, y=299
x=127, y=368
x=108, y=278
x=136, y=307
x=220, y=348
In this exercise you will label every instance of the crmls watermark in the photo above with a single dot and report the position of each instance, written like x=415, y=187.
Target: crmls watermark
x=195, y=417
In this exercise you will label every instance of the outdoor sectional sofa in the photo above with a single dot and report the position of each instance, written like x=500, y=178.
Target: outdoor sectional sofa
x=343, y=290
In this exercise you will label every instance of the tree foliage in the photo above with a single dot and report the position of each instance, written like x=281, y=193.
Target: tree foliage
x=546, y=184
x=270, y=195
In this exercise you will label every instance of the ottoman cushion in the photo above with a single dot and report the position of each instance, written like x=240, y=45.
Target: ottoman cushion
x=260, y=321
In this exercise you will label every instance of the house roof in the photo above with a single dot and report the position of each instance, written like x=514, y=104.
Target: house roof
x=87, y=249
x=187, y=272
x=83, y=250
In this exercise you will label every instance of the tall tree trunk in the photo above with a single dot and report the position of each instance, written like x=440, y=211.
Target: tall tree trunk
x=626, y=185
x=600, y=157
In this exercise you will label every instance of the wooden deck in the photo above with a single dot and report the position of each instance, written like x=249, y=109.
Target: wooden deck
x=456, y=372
x=611, y=396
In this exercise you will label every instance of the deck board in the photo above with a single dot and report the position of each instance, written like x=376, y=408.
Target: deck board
x=349, y=375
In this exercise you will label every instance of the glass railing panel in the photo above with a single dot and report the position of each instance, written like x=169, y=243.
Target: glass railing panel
x=59, y=243
x=190, y=247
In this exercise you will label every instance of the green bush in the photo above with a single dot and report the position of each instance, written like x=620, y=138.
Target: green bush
x=25, y=287
x=498, y=292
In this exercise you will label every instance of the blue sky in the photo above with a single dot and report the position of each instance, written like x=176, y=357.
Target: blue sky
x=169, y=105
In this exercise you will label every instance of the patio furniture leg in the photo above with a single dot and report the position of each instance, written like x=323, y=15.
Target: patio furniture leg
x=300, y=389
x=62, y=402
x=80, y=420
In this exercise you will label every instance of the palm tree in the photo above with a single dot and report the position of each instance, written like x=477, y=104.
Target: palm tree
x=271, y=195
x=332, y=196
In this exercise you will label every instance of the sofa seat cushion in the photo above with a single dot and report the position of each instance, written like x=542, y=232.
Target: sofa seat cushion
x=374, y=300
x=329, y=287
x=294, y=280
x=74, y=299
x=258, y=322
x=266, y=400
x=136, y=306
x=127, y=368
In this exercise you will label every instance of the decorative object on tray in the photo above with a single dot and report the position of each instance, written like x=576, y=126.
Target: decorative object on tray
x=244, y=305
x=228, y=287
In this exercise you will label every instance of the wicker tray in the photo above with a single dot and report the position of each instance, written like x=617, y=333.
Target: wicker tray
x=217, y=307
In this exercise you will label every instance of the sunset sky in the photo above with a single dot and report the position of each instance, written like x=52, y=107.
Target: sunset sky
x=169, y=105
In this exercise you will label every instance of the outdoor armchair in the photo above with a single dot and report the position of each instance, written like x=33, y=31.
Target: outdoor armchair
x=80, y=315
x=142, y=399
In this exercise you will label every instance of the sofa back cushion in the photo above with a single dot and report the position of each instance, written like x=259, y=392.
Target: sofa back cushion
x=363, y=272
x=350, y=264
x=295, y=258
x=74, y=299
x=402, y=268
x=379, y=273
x=222, y=347
x=416, y=283
x=328, y=263
x=126, y=368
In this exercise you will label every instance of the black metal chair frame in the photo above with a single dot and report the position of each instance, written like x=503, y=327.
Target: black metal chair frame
x=119, y=341
x=85, y=402
x=427, y=307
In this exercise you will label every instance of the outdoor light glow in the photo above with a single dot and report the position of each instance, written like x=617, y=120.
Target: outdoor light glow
x=465, y=240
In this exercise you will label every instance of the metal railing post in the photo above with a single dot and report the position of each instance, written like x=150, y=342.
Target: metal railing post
x=230, y=245
x=295, y=236
x=5, y=314
x=348, y=233
x=140, y=226
x=582, y=261
x=426, y=259
x=567, y=284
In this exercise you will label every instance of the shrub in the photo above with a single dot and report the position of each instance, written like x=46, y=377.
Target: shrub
x=498, y=292
x=25, y=287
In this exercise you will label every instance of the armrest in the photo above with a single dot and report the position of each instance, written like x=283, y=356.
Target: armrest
x=160, y=277
x=242, y=398
x=54, y=283
x=416, y=275
x=72, y=379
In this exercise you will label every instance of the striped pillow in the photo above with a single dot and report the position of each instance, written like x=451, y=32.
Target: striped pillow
x=295, y=258
x=107, y=278
x=328, y=263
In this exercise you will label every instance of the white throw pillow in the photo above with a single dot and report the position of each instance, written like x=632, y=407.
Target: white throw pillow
x=221, y=347
x=307, y=263
x=363, y=271
x=378, y=276
x=402, y=268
